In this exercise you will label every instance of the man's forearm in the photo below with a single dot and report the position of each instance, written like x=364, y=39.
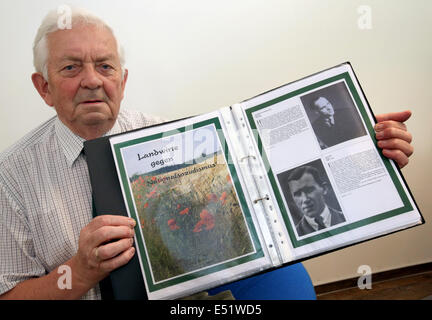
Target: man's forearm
x=96, y=257
x=49, y=287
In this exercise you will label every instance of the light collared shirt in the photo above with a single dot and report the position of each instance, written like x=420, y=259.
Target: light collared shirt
x=45, y=199
x=326, y=215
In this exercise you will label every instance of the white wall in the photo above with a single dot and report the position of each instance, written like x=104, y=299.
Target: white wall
x=193, y=56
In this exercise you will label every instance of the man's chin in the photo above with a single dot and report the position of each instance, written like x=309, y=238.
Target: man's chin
x=311, y=213
x=96, y=119
x=309, y=210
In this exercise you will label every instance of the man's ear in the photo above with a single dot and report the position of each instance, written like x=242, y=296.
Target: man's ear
x=325, y=186
x=41, y=86
x=125, y=77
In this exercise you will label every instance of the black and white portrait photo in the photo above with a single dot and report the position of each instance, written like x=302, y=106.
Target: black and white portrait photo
x=310, y=197
x=333, y=115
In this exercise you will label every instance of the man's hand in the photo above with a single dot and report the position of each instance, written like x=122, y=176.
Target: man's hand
x=393, y=137
x=104, y=245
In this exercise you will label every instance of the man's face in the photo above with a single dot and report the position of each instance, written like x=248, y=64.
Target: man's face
x=324, y=107
x=308, y=195
x=85, y=83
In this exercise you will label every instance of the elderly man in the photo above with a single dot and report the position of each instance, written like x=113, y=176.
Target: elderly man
x=46, y=220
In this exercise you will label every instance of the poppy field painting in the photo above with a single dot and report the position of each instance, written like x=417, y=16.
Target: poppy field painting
x=190, y=217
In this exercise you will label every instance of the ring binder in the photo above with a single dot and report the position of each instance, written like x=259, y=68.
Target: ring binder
x=248, y=156
x=260, y=199
x=269, y=231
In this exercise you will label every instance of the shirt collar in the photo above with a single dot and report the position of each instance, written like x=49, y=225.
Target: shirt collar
x=72, y=144
x=326, y=219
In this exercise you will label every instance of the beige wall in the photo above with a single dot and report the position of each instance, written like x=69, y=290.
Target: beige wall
x=189, y=57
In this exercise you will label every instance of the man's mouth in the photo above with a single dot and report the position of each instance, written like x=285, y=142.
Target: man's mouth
x=92, y=101
x=308, y=207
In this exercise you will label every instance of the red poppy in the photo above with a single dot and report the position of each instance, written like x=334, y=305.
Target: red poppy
x=212, y=197
x=198, y=226
x=223, y=197
x=228, y=178
x=172, y=224
x=178, y=206
x=203, y=214
x=210, y=226
x=153, y=178
x=184, y=211
x=146, y=205
x=152, y=193
x=207, y=219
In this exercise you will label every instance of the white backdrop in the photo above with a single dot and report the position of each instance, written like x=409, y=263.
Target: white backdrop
x=192, y=56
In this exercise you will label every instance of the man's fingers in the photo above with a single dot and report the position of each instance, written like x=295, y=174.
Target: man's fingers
x=395, y=116
x=397, y=144
x=111, y=220
x=108, y=233
x=393, y=137
x=113, y=249
x=117, y=261
x=392, y=132
x=397, y=155
x=390, y=124
x=98, y=253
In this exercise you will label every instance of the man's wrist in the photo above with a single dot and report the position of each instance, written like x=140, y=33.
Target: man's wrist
x=82, y=279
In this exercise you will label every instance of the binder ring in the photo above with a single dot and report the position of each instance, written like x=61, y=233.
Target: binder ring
x=248, y=156
x=260, y=199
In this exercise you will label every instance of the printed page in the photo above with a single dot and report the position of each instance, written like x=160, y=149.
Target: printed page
x=331, y=184
x=195, y=228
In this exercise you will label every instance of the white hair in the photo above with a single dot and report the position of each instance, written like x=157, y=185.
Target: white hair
x=52, y=22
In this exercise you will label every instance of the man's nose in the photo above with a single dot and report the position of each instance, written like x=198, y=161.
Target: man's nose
x=304, y=196
x=90, y=78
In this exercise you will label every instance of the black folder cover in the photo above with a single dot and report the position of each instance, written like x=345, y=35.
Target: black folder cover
x=127, y=282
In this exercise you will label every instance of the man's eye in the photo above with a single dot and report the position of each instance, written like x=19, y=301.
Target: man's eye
x=106, y=67
x=309, y=189
x=69, y=68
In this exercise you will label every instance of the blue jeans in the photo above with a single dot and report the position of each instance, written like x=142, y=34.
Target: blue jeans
x=288, y=283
